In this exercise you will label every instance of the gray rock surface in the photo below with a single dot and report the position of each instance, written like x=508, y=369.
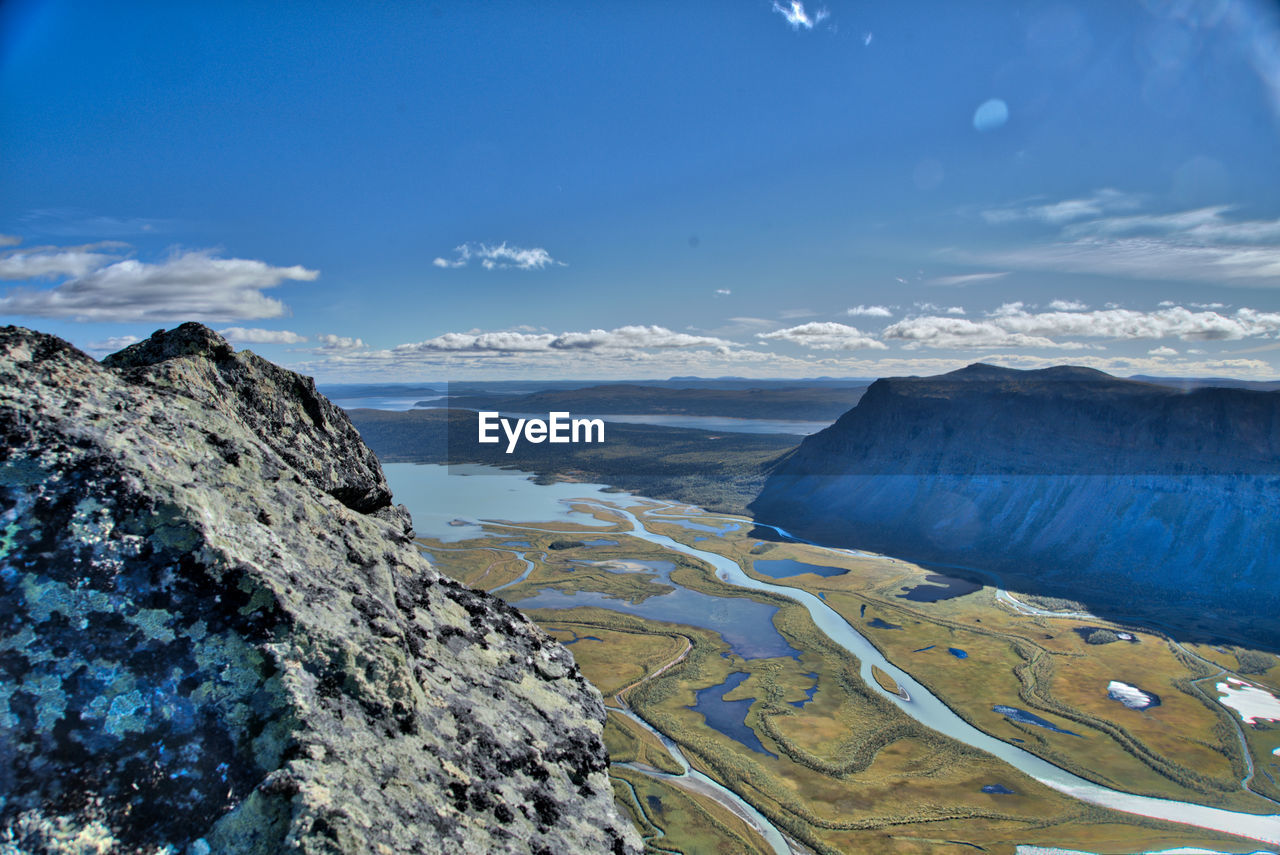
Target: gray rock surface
x=217, y=637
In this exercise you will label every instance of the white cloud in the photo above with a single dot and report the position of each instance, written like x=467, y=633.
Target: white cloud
x=797, y=17
x=261, y=336
x=949, y=332
x=500, y=257
x=871, y=311
x=965, y=278
x=934, y=307
x=111, y=344
x=826, y=335
x=10, y=240
x=723, y=292
x=632, y=337
x=191, y=285
x=626, y=338
x=1011, y=325
x=1162, y=351
x=46, y=262
x=1070, y=306
x=329, y=341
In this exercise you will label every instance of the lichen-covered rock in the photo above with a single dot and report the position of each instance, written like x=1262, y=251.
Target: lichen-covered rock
x=216, y=636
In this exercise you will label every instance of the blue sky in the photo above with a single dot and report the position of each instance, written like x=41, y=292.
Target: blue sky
x=417, y=191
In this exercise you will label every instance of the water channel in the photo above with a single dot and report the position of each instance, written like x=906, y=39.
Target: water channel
x=412, y=484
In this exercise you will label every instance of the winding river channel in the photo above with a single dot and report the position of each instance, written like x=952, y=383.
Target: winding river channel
x=429, y=490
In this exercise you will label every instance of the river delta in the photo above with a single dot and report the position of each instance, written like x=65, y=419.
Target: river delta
x=745, y=715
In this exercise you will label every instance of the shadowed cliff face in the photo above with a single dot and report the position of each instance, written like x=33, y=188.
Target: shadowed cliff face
x=1137, y=499
x=218, y=637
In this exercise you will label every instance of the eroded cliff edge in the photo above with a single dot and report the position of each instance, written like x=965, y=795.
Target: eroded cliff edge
x=218, y=637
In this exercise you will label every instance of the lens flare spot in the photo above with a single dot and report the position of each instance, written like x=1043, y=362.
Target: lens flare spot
x=991, y=114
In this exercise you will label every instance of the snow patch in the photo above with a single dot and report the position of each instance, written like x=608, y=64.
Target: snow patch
x=1253, y=704
x=1131, y=696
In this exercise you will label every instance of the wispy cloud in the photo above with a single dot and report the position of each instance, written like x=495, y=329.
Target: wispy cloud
x=77, y=222
x=10, y=240
x=871, y=311
x=1162, y=351
x=795, y=15
x=499, y=257
x=1152, y=258
x=1100, y=202
x=191, y=285
x=723, y=292
x=1103, y=234
x=826, y=335
x=966, y=278
x=253, y=335
x=1069, y=306
x=792, y=314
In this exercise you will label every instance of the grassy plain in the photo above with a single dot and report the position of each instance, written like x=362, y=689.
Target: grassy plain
x=852, y=773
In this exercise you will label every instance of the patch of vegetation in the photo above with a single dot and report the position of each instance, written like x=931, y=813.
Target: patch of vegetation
x=1254, y=661
x=1101, y=636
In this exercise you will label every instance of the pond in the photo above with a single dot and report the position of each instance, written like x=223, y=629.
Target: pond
x=937, y=587
x=1024, y=717
x=697, y=526
x=729, y=717
x=782, y=568
x=882, y=624
x=746, y=625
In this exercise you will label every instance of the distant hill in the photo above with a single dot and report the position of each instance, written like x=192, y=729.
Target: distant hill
x=1189, y=383
x=802, y=403
x=1145, y=498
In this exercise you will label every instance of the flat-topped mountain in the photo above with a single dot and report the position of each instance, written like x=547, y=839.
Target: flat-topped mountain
x=218, y=637
x=1055, y=421
x=1065, y=479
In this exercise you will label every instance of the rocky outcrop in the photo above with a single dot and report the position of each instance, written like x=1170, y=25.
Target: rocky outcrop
x=218, y=637
x=1136, y=498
